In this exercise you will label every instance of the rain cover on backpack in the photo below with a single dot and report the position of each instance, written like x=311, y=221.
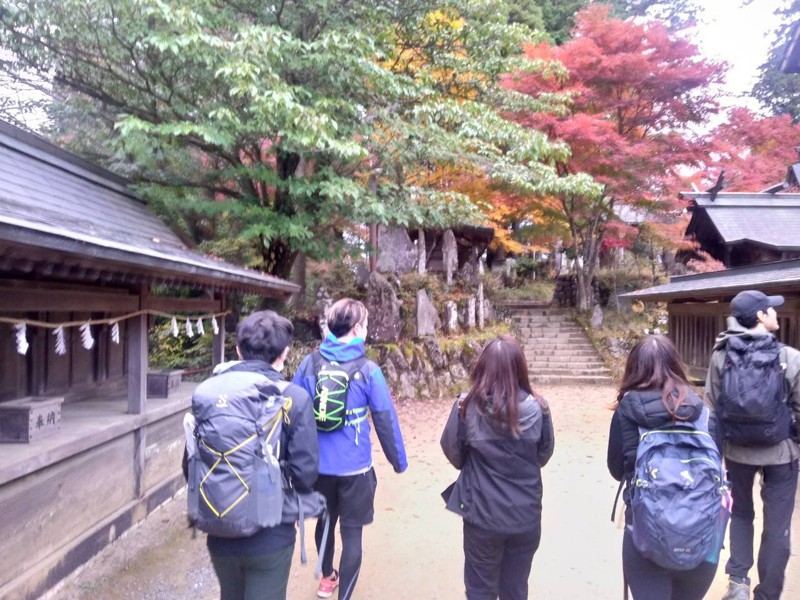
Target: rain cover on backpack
x=679, y=501
x=235, y=481
x=752, y=399
x=330, y=392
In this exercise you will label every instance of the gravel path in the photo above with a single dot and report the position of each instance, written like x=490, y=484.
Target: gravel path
x=413, y=550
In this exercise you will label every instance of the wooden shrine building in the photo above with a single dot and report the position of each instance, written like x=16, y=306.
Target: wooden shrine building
x=754, y=234
x=740, y=229
x=699, y=305
x=77, y=247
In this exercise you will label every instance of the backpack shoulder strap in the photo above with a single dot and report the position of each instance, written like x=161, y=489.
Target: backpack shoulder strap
x=356, y=365
x=316, y=360
x=701, y=422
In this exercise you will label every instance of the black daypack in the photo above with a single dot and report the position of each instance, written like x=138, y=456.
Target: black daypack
x=752, y=402
x=330, y=392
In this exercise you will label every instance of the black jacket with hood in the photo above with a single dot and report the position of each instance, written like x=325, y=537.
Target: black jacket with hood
x=644, y=409
x=500, y=483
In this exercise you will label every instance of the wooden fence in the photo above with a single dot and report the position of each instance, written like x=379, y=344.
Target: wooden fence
x=694, y=326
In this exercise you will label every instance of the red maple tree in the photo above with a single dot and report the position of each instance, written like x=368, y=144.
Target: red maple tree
x=754, y=152
x=636, y=89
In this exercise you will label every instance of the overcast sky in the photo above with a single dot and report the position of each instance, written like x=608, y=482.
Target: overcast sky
x=741, y=36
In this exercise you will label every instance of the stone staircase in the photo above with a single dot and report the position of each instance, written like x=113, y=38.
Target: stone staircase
x=557, y=349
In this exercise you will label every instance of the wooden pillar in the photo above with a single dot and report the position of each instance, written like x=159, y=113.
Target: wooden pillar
x=137, y=364
x=137, y=357
x=139, y=460
x=218, y=349
x=37, y=355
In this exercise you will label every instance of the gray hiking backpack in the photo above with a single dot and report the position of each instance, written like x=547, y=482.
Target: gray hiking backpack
x=236, y=484
x=752, y=400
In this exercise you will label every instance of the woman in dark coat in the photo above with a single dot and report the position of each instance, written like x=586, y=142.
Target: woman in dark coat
x=654, y=393
x=499, y=435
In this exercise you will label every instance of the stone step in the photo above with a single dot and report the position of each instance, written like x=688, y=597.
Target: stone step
x=557, y=349
x=572, y=380
x=563, y=343
x=547, y=326
x=538, y=335
x=569, y=371
x=541, y=317
x=543, y=320
x=566, y=362
x=568, y=350
x=535, y=326
x=562, y=351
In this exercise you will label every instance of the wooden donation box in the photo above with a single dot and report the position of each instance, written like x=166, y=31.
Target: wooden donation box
x=29, y=418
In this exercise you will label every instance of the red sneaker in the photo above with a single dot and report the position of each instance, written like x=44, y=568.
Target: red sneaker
x=328, y=585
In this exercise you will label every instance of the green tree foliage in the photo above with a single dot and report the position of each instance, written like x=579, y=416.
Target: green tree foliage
x=287, y=121
x=558, y=17
x=779, y=92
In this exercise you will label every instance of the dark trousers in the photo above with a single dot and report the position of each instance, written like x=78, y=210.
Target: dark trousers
x=648, y=581
x=350, y=500
x=778, y=492
x=258, y=577
x=497, y=564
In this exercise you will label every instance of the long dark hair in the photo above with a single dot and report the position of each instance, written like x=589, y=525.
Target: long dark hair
x=654, y=364
x=500, y=372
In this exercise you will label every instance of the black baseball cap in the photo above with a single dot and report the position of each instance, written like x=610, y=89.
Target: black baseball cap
x=747, y=304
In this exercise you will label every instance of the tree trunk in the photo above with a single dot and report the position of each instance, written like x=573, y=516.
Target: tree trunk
x=278, y=258
x=298, y=276
x=585, y=292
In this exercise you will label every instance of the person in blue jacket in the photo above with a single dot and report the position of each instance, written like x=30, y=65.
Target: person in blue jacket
x=346, y=476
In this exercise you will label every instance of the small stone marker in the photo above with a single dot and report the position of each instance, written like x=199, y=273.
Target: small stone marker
x=451, y=317
x=427, y=317
x=449, y=255
x=471, y=312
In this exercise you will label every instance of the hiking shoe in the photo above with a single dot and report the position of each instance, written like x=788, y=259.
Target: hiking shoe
x=328, y=585
x=737, y=591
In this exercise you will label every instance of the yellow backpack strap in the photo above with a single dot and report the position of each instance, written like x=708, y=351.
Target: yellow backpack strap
x=287, y=406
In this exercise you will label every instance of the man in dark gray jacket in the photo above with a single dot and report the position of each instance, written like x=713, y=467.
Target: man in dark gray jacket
x=754, y=321
x=258, y=566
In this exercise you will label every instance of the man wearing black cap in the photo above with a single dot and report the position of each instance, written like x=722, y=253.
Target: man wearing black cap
x=754, y=384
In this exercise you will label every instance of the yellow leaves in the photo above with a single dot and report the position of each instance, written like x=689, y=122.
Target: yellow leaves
x=439, y=19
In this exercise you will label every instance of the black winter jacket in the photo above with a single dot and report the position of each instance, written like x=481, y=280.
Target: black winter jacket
x=644, y=409
x=500, y=484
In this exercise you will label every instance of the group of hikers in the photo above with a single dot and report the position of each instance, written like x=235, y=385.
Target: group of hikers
x=263, y=454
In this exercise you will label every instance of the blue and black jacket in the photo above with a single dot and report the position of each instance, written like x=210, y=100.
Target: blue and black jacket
x=348, y=450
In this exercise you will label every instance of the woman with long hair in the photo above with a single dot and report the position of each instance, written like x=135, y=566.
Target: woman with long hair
x=498, y=435
x=654, y=393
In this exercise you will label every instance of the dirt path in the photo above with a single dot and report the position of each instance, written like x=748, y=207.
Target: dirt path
x=413, y=550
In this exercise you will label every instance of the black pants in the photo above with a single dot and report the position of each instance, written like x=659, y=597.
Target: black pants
x=259, y=577
x=648, y=581
x=351, y=501
x=778, y=492
x=497, y=564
